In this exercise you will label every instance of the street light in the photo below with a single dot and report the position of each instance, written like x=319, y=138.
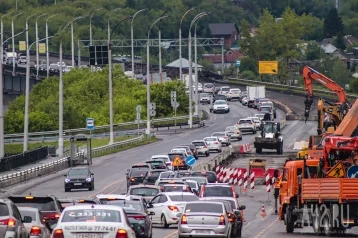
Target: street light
x=37, y=45
x=2, y=152
x=60, y=131
x=197, y=17
x=160, y=49
x=27, y=91
x=73, y=41
x=47, y=50
x=180, y=55
x=109, y=26
x=91, y=23
x=148, y=76
x=13, y=43
x=110, y=81
x=132, y=41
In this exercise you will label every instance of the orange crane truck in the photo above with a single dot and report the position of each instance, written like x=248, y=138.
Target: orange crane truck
x=315, y=193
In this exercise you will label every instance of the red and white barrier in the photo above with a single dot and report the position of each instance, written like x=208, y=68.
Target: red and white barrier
x=245, y=148
x=237, y=175
x=252, y=180
x=233, y=176
x=268, y=183
x=246, y=175
x=240, y=178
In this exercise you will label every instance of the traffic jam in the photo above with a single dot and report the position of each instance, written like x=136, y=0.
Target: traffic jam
x=162, y=191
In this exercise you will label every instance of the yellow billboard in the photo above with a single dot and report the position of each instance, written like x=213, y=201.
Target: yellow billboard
x=22, y=45
x=42, y=48
x=268, y=67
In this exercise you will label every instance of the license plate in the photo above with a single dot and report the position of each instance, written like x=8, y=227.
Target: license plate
x=202, y=232
x=77, y=184
x=89, y=235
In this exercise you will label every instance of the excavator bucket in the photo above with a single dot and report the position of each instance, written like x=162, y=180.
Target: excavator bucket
x=257, y=163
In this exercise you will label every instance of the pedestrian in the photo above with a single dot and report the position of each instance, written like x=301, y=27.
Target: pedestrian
x=76, y=62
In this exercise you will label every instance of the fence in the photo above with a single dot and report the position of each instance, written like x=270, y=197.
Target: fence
x=15, y=161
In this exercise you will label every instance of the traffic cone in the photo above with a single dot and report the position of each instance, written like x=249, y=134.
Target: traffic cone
x=244, y=190
x=263, y=212
x=242, y=216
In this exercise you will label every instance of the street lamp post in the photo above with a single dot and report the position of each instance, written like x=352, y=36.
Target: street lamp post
x=60, y=130
x=37, y=45
x=160, y=50
x=73, y=42
x=180, y=55
x=27, y=90
x=197, y=17
x=132, y=41
x=91, y=23
x=148, y=76
x=110, y=80
x=47, y=50
x=13, y=42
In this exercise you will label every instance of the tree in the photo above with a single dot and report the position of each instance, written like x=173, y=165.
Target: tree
x=333, y=24
x=313, y=51
x=248, y=64
x=131, y=3
x=207, y=64
x=339, y=41
x=353, y=85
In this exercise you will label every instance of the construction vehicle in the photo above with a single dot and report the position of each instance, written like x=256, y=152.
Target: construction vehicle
x=257, y=163
x=336, y=110
x=270, y=137
x=317, y=192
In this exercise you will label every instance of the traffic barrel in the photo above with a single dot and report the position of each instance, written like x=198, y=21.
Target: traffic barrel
x=268, y=183
x=252, y=180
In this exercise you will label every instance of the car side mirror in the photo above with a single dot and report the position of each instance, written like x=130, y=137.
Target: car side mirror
x=92, y=173
x=150, y=205
x=242, y=208
x=151, y=213
x=65, y=175
x=27, y=219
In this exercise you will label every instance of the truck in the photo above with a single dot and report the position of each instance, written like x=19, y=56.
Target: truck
x=255, y=92
x=270, y=137
x=321, y=193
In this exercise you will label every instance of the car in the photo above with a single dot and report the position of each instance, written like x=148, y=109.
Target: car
x=267, y=109
x=223, y=137
x=269, y=103
x=138, y=216
x=48, y=205
x=165, y=159
x=12, y=223
x=204, y=219
x=210, y=176
x=199, y=180
x=261, y=101
x=148, y=192
x=234, y=132
x=220, y=106
x=181, y=154
x=260, y=116
x=213, y=143
x=219, y=97
x=201, y=147
x=22, y=60
x=54, y=67
x=193, y=149
x=167, y=206
x=217, y=90
x=136, y=176
x=152, y=176
x=224, y=90
x=251, y=103
x=247, y=125
x=257, y=122
x=63, y=64
x=166, y=174
x=180, y=150
x=35, y=228
x=79, y=177
x=73, y=201
x=168, y=188
x=187, y=148
x=218, y=190
x=106, y=198
x=157, y=164
x=208, y=88
x=234, y=93
x=205, y=98
x=161, y=182
x=245, y=101
x=242, y=95
x=108, y=218
x=200, y=88
x=193, y=185
x=234, y=212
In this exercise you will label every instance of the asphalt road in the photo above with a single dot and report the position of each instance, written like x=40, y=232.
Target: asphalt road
x=110, y=170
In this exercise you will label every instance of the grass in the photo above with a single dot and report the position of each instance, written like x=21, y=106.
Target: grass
x=96, y=142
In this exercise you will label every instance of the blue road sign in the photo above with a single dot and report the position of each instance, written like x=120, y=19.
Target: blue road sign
x=352, y=172
x=238, y=62
x=190, y=160
x=90, y=123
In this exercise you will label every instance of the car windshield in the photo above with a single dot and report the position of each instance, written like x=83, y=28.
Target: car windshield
x=265, y=109
x=199, y=143
x=165, y=174
x=210, y=176
x=144, y=191
x=225, y=89
x=245, y=122
x=218, y=191
x=78, y=172
x=236, y=91
x=270, y=128
x=209, y=85
x=204, y=95
x=140, y=166
x=232, y=203
x=192, y=185
x=183, y=198
x=220, y=102
x=218, y=134
x=176, y=188
x=170, y=182
x=91, y=215
x=255, y=119
x=204, y=207
x=210, y=139
x=125, y=204
x=160, y=158
x=31, y=214
x=41, y=203
x=139, y=173
x=173, y=156
x=199, y=180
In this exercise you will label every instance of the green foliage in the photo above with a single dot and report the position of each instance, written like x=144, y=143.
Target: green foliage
x=339, y=41
x=248, y=64
x=207, y=65
x=353, y=85
x=333, y=24
x=86, y=95
x=335, y=69
x=313, y=51
x=249, y=75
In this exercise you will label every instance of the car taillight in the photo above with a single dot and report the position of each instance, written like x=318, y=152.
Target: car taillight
x=216, y=143
x=8, y=222
x=231, y=217
x=162, y=188
x=35, y=231
x=168, y=163
x=132, y=179
x=184, y=220
x=57, y=216
x=138, y=217
x=222, y=220
x=58, y=233
x=121, y=234
x=173, y=208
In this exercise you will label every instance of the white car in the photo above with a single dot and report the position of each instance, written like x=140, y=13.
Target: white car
x=201, y=147
x=168, y=207
x=221, y=106
x=267, y=109
x=245, y=101
x=208, y=88
x=91, y=220
x=213, y=143
x=22, y=60
x=205, y=98
x=165, y=159
x=224, y=90
x=223, y=137
x=234, y=93
x=105, y=198
x=59, y=64
x=260, y=116
x=200, y=88
x=180, y=150
x=36, y=228
x=247, y=125
x=234, y=132
x=257, y=122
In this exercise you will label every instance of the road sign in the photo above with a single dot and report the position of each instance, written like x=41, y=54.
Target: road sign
x=268, y=67
x=152, y=109
x=90, y=123
x=352, y=172
x=153, y=106
x=177, y=162
x=238, y=62
x=337, y=171
x=175, y=104
x=190, y=160
x=138, y=117
x=138, y=108
x=173, y=94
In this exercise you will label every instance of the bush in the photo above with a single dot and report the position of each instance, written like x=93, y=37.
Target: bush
x=249, y=75
x=86, y=95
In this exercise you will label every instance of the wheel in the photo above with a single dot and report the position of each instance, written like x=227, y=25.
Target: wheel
x=317, y=222
x=163, y=222
x=207, y=154
x=240, y=138
x=67, y=190
x=254, y=132
x=219, y=151
x=327, y=223
x=258, y=150
x=280, y=149
x=289, y=221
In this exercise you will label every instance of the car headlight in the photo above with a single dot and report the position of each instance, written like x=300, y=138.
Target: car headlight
x=88, y=179
x=67, y=180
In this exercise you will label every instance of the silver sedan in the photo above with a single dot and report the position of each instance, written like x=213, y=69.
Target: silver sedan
x=234, y=132
x=213, y=143
x=223, y=137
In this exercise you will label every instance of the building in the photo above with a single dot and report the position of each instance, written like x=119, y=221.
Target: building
x=350, y=40
x=333, y=51
x=228, y=31
x=230, y=57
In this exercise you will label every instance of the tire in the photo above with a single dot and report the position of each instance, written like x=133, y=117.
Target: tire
x=327, y=223
x=253, y=132
x=280, y=149
x=163, y=222
x=67, y=190
x=316, y=222
x=289, y=221
x=219, y=151
x=207, y=154
x=240, y=138
x=258, y=150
